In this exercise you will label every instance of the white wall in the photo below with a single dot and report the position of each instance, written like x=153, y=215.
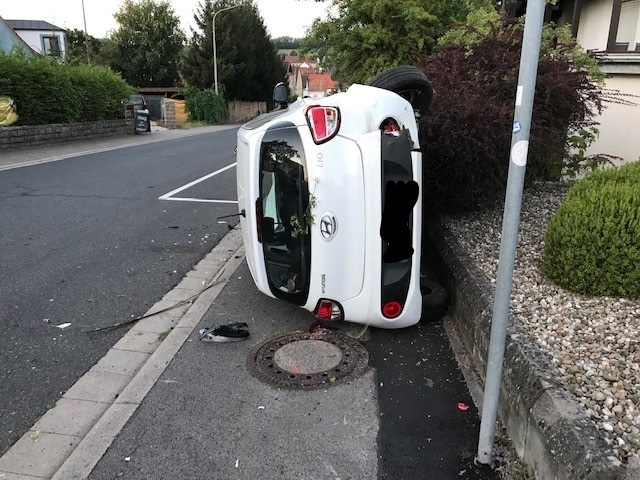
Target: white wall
x=619, y=133
x=34, y=38
x=595, y=19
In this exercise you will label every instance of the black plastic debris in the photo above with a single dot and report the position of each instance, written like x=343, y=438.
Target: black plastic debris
x=231, y=332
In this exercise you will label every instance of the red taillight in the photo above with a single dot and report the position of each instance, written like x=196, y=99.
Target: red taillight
x=328, y=310
x=324, y=122
x=391, y=127
x=391, y=309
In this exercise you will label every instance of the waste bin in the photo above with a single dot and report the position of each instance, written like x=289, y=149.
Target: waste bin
x=143, y=121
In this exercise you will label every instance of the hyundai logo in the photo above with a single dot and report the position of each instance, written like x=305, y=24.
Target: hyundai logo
x=328, y=226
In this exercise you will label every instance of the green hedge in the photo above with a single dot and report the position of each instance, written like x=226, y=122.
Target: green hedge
x=205, y=106
x=592, y=244
x=45, y=91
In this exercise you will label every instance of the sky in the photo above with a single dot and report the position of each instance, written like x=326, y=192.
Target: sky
x=283, y=18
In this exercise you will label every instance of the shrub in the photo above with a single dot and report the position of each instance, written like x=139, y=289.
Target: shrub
x=47, y=92
x=470, y=122
x=592, y=244
x=205, y=106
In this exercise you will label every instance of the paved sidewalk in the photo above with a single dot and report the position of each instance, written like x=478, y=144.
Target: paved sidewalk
x=21, y=157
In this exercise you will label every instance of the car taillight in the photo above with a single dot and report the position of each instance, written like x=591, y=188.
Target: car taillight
x=391, y=309
x=324, y=122
x=328, y=310
x=391, y=127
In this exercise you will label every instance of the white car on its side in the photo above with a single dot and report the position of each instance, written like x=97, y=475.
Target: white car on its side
x=329, y=194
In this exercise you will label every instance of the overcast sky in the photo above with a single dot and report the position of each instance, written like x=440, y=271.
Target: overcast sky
x=288, y=18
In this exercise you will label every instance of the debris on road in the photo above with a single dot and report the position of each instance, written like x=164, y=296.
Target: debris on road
x=231, y=332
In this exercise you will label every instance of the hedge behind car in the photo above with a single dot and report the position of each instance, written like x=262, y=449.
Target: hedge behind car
x=45, y=91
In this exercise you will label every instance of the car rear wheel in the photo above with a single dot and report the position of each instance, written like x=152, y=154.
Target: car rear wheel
x=434, y=300
x=410, y=83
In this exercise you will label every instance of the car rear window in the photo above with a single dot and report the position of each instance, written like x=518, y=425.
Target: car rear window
x=284, y=192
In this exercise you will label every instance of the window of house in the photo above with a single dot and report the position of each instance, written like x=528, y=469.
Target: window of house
x=51, y=46
x=624, y=35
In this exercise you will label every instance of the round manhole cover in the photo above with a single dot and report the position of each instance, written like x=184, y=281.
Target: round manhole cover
x=303, y=360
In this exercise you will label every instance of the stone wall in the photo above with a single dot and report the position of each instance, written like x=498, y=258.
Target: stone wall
x=34, y=135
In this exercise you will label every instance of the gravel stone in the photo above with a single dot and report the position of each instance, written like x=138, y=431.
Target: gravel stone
x=594, y=342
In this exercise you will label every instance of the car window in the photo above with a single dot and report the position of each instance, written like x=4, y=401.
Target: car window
x=284, y=192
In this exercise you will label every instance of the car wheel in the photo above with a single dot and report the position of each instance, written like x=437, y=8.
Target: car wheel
x=434, y=300
x=408, y=82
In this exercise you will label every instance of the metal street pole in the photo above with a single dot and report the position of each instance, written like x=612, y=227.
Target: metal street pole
x=215, y=56
x=510, y=224
x=86, y=35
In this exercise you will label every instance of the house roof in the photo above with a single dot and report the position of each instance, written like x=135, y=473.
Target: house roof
x=33, y=25
x=320, y=82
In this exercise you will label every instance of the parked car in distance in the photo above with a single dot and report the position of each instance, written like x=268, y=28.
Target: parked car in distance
x=329, y=195
x=138, y=99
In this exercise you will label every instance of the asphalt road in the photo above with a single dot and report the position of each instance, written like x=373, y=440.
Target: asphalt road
x=87, y=242
x=410, y=416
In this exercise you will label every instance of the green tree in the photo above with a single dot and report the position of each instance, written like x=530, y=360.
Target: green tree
x=147, y=44
x=247, y=61
x=76, y=43
x=360, y=38
x=287, y=43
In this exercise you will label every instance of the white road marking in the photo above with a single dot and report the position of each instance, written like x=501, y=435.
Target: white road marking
x=170, y=195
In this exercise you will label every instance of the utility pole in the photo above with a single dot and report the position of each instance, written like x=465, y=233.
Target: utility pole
x=510, y=223
x=86, y=35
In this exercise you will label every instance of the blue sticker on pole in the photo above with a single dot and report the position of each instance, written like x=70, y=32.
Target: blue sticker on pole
x=516, y=127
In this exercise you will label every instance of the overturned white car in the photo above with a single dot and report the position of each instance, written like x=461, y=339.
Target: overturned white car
x=329, y=193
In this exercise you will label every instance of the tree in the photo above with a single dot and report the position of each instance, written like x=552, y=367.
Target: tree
x=287, y=43
x=247, y=61
x=363, y=37
x=147, y=44
x=76, y=51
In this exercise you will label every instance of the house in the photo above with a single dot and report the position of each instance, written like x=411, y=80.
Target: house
x=319, y=85
x=41, y=36
x=611, y=27
x=10, y=40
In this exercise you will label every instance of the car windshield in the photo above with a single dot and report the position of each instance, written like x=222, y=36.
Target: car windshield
x=284, y=197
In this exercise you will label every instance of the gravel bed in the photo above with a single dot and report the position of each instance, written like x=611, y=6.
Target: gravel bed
x=594, y=342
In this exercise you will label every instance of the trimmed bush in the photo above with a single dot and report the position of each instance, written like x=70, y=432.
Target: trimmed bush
x=592, y=244
x=205, y=106
x=47, y=92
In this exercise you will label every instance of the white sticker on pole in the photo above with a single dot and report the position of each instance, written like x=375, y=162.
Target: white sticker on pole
x=519, y=93
x=519, y=153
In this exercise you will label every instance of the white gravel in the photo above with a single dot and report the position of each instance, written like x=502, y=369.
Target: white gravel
x=594, y=342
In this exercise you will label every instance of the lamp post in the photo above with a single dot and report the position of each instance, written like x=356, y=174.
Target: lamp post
x=86, y=35
x=215, y=58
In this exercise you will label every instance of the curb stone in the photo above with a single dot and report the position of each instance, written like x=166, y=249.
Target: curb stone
x=547, y=426
x=68, y=441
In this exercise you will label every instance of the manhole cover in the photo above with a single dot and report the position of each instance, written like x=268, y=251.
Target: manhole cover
x=303, y=360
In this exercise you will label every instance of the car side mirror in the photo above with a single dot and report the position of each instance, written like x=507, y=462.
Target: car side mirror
x=281, y=95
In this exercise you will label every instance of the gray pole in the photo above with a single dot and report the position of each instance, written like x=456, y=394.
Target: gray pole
x=86, y=35
x=510, y=224
x=215, y=57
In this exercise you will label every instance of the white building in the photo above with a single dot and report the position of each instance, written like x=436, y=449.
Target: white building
x=42, y=37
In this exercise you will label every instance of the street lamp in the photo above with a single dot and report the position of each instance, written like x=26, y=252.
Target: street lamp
x=215, y=58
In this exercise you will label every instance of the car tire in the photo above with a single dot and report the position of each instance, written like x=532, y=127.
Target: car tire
x=410, y=83
x=434, y=300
